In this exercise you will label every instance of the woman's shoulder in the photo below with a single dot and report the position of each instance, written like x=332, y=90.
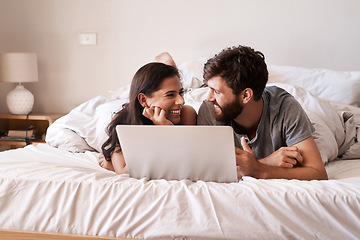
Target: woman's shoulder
x=188, y=115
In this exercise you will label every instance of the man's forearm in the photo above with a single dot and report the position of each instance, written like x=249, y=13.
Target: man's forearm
x=300, y=173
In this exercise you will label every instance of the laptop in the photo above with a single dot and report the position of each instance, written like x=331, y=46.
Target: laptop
x=204, y=153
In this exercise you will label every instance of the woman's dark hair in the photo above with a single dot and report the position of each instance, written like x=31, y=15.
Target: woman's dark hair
x=146, y=80
x=241, y=67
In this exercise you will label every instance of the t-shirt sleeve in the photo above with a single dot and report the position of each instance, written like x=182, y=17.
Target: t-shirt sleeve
x=297, y=125
x=206, y=114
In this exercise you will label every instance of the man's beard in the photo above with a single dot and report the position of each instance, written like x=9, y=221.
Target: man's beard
x=229, y=111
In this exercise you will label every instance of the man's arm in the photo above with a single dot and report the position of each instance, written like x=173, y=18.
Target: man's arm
x=311, y=168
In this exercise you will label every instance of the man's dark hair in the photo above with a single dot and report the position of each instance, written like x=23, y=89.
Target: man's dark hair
x=241, y=67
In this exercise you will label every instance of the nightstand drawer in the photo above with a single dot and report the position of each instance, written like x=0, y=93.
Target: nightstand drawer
x=40, y=122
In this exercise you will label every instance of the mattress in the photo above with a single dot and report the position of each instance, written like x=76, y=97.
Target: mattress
x=43, y=188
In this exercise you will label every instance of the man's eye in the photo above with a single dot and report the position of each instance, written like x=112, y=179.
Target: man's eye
x=181, y=93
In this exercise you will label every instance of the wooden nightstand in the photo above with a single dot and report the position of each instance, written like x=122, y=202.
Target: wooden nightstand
x=13, y=122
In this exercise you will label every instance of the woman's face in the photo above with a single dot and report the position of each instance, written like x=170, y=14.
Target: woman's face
x=169, y=98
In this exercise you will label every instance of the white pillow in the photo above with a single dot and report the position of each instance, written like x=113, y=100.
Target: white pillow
x=338, y=86
x=191, y=73
x=121, y=92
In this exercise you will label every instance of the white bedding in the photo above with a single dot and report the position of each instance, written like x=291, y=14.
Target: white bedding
x=43, y=188
x=59, y=187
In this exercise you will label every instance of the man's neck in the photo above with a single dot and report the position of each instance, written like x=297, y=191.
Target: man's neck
x=249, y=119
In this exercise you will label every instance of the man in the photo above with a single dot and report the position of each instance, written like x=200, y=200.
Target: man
x=272, y=132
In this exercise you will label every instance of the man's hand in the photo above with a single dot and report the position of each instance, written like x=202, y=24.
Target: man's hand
x=284, y=157
x=156, y=115
x=246, y=161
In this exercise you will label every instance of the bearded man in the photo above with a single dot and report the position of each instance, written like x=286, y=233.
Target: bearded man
x=273, y=134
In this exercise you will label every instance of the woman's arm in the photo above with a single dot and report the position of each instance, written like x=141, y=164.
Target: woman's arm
x=188, y=115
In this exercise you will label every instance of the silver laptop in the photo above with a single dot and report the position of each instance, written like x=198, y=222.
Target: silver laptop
x=179, y=152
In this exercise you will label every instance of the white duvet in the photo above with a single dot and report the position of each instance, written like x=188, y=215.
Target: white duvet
x=43, y=188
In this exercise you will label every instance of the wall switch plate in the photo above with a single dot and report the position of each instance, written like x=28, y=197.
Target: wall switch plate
x=87, y=38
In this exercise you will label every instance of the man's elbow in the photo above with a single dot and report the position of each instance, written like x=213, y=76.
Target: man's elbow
x=321, y=175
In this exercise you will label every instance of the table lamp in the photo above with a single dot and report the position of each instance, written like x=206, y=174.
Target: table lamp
x=19, y=68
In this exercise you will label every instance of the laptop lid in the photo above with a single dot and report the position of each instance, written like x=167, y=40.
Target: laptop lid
x=179, y=152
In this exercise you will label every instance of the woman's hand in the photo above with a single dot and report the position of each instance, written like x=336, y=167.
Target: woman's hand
x=156, y=115
x=104, y=163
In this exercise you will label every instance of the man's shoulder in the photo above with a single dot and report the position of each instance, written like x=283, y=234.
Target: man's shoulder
x=206, y=114
x=281, y=104
x=276, y=92
x=206, y=106
x=278, y=96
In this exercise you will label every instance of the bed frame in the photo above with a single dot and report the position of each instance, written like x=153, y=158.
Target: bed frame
x=29, y=235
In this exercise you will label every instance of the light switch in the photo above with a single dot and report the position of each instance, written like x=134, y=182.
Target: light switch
x=87, y=38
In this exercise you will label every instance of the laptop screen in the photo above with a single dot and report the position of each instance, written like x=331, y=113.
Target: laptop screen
x=204, y=153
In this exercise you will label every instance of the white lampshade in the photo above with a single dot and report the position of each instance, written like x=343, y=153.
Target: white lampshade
x=20, y=68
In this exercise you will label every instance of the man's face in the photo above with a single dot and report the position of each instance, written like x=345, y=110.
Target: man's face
x=227, y=105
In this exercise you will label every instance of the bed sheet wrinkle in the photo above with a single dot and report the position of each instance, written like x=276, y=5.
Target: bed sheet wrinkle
x=27, y=209
x=162, y=200
x=217, y=209
x=53, y=163
x=8, y=188
x=96, y=212
x=321, y=201
x=254, y=219
x=199, y=201
x=58, y=195
x=101, y=200
x=124, y=212
x=349, y=213
x=66, y=197
x=156, y=199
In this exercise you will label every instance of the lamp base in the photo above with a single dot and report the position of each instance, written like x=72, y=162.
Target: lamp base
x=20, y=100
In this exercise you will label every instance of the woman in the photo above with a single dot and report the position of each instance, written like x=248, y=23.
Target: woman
x=156, y=98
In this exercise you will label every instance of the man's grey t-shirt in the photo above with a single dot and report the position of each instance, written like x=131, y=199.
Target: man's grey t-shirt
x=283, y=122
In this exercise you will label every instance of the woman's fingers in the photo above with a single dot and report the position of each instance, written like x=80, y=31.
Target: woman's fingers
x=149, y=112
x=157, y=115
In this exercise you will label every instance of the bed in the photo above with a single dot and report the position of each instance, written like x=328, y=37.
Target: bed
x=58, y=187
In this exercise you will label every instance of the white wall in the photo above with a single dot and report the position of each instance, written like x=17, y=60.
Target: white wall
x=308, y=33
